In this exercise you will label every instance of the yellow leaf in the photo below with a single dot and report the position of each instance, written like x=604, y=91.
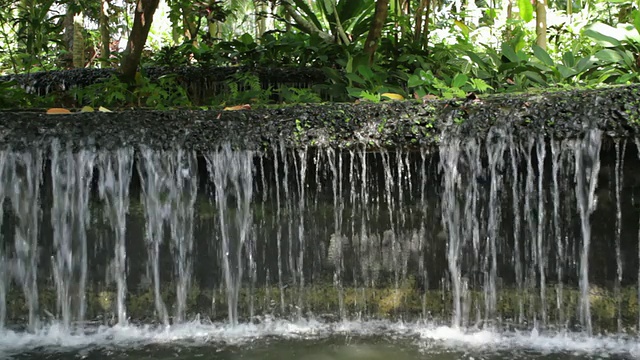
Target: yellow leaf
x=103, y=109
x=86, y=109
x=393, y=96
x=54, y=111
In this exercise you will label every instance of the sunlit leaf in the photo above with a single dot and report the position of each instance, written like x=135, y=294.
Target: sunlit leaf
x=103, y=109
x=526, y=10
x=463, y=27
x=87, y=109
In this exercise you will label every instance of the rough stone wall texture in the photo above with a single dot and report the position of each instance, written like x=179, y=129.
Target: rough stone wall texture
x=406, y=124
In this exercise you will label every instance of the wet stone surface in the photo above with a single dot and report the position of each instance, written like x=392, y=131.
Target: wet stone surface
x=405, y=124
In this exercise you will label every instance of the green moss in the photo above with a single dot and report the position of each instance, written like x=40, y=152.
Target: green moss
x=408, y=301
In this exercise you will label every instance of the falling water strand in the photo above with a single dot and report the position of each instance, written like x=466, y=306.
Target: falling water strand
x=472, y=194
x=279, y=229
x=154, y=170
x=71, y=175
x=422, y=268
x=530, y=238
x=301, y=219
x=495, y=150
x=232, y=174
x=24, y=173
x=470, y=222
x=389, y=237
x=289, y=220
x=406, y=244
x=620, y=151
x=183, y=184
x=451, y=213
x=336, y=241
x=515, y=194
x=557, y=229
x=4, y=270
x=365, y=264
x=115, y=177
x=638, y=240
x=587, y=168
x=542, y=256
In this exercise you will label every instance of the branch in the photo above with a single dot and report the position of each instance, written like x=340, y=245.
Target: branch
x=306, y=25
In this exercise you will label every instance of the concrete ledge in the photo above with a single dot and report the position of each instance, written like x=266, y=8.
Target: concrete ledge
x=406, y=124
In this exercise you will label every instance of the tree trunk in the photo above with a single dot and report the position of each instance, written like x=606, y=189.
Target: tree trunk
x=78, y=41
x=541, y=23
x=105, y=35
x=67, y=38
x=261, y=17
x=190, y=26
x=420, y=10
x=138, y=37
x=375, y=31
x=427, y=20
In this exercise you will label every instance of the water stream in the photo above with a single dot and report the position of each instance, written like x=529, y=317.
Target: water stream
x=491, y=247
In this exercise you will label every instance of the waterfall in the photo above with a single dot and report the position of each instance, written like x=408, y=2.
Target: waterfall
x=232, y=174
x=587, y=168
x=24, y=178
x=115, y=177
x=492, y=233
x=4, y=268
x=71, y=175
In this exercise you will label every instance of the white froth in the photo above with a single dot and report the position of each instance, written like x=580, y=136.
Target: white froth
x=54, y=338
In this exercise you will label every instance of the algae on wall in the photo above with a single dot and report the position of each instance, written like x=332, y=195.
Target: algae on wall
x=407, y=303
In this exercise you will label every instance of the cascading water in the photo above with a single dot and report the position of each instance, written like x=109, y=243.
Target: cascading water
x=232, y=174
x=23, y=177
x=587, y=168
x=71, y=175
x=482, y=237
x=115, y=178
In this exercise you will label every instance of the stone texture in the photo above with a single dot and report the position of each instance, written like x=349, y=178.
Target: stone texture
x=403, y=124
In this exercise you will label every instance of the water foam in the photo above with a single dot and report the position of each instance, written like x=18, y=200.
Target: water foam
x=55, y=338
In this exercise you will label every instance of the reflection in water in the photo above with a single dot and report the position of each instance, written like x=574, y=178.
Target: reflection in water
x=498, y=234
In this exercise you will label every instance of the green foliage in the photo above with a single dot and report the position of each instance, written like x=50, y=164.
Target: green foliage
x=12, y=96
x=245, y=88
x=29, y=31
x=336, y=18
x=113, y=93
x=461, y=50
x=299, y=95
